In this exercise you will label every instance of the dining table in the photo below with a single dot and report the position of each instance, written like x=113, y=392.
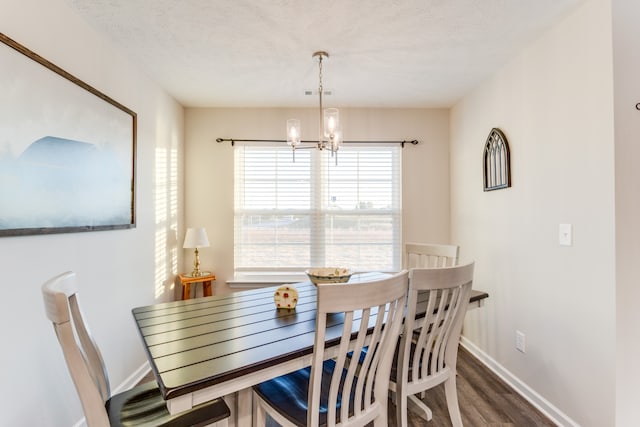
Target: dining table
x=220, y=346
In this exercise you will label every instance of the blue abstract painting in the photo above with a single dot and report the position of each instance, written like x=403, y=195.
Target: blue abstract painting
x=58, y=182
x=67, y=151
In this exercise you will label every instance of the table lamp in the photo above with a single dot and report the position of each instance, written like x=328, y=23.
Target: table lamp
x=196, y=238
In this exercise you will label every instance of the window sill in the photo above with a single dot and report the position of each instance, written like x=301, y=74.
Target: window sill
x=264, y=280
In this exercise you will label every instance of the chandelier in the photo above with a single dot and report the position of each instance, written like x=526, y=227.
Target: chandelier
x=329, y=133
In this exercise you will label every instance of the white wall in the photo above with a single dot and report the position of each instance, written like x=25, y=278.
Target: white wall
x=209, y=168
x=117, y=270
x=554, y=102
x=626, y=16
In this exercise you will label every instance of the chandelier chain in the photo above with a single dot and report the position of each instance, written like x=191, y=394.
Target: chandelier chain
x=320, y=73
x=320, y=132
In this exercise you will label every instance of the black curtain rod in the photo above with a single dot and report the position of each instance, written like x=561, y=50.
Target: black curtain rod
x=234, y=140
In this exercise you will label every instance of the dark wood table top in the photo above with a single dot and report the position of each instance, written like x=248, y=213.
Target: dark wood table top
x=202, y=342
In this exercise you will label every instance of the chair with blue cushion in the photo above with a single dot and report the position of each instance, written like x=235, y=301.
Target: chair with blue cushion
x=333, y=391
x=142, y=405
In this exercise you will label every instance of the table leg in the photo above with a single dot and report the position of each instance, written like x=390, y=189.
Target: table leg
x=230, y=400
x=186, y=291
x=244, y=416
x=206, y=288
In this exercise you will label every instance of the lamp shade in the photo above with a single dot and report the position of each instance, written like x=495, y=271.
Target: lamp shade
x=196, y=237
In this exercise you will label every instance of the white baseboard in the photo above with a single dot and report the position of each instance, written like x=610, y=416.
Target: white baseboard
x=128, y=383
x=543, y=405
x=132, y=379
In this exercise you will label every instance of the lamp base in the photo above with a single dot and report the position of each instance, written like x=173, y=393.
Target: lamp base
x=196, y=266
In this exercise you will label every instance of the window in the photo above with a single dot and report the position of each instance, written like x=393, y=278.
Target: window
x=293, y=215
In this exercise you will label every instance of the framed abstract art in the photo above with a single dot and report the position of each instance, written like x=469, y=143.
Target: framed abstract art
x=67, y=150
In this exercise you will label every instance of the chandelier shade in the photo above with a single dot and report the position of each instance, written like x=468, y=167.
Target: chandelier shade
x=331, y=122
x=293, y=132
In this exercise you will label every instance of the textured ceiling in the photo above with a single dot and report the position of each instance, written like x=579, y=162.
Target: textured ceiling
x=383, y=53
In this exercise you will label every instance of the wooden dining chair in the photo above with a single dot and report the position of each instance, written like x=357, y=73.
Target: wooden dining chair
x=429, y=255
x=140, y=406
x=333, y=391
x=428, y=349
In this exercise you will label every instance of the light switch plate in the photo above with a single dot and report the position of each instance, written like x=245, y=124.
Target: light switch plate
x=565, y=235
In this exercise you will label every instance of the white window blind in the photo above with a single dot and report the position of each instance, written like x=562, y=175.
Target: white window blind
x=290, y=216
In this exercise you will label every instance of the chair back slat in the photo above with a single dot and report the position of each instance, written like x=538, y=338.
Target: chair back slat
x=357, y=346
x=424, y=255
x=90, y=349
x=368, y=379
x=374, y=310
x=337, y=381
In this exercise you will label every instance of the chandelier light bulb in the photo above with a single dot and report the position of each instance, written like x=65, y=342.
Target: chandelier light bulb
x=331, y=121
x=293, y=132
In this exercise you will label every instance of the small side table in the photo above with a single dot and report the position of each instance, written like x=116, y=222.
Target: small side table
x=186, y=280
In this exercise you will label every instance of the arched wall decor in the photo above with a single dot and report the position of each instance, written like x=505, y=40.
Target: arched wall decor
x=496, y=162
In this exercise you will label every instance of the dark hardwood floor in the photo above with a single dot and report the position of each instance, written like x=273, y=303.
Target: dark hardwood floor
x=485, y=400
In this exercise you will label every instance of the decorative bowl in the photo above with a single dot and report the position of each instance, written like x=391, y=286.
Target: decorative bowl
x=329, y=275
x=285, y=297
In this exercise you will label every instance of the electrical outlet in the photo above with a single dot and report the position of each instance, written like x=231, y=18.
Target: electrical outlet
x=520, y=341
